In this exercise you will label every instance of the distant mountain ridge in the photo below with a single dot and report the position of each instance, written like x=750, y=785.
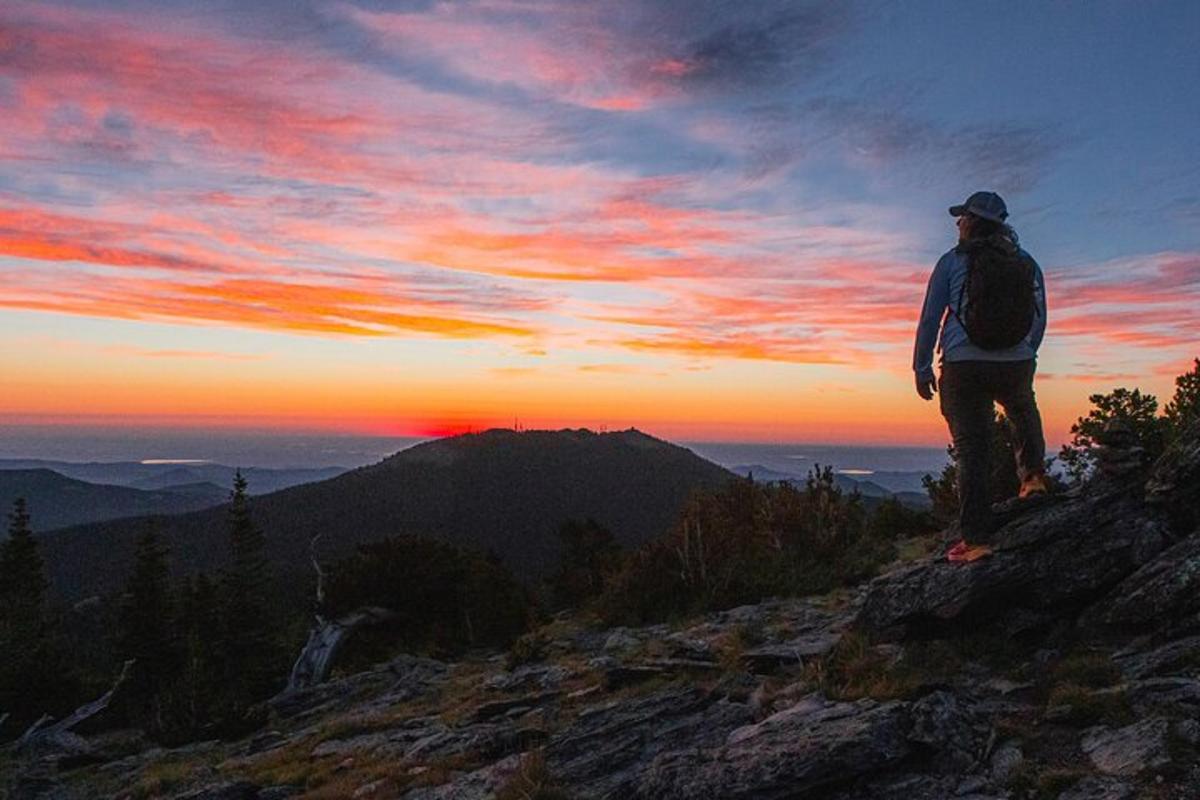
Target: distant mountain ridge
x=56, y=501
x=151, y=475
x=502, y=491
x=871, y=491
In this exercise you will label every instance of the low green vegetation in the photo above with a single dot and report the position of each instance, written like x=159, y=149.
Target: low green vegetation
x=749, y=541
x=1036, y=783
x=445, y=599
x=1071, y=704
x=1139, y=413
x=1089, y=670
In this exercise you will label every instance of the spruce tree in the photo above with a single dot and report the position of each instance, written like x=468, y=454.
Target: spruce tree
x=248, y=642
x=1185, y=405
x=26, y=673
x=147, y=626
x=198, y=699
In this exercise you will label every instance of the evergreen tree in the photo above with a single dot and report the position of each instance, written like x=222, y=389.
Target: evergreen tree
x=1185, y=405
x=198, y=698
x=1139, y=411
x=147, y=627
x=249, y=653
x=27, y=667
x=22, y=573
x=590, y=555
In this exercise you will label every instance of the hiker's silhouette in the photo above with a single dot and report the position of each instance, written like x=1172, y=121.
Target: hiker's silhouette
x=985, y=309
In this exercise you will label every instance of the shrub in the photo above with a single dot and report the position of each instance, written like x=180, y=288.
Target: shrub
x=590, y=556
x=1078, y=705
x=445, y=598
x=745, y=542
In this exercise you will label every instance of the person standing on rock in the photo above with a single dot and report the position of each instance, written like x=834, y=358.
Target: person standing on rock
x=987, y=297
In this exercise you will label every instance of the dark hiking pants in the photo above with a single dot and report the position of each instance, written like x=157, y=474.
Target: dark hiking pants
x=968, y=392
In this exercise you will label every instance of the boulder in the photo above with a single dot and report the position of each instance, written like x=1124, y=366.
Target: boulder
x=1099, y=788
x=956, y=736
x=1138, y=662
x=1174, y=484
x=479, y=784
x=814, y=745
x=1165, y=593
x=1128, y=751
x=604, y=750
x=232, y=790
x=1006, y=762
x=1065, y=555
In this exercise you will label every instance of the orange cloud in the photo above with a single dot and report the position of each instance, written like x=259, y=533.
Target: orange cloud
x=798, y=352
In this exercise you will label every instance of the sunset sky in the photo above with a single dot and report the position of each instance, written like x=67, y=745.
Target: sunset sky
x=708, y=220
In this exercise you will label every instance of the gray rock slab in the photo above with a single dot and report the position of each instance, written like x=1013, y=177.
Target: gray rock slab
x=1165, y=658
x=1158, y=594
x=1099, y=788
x=235, y=790
x=603, y=751
x=814, y=745
x=479, y=784
x=1128, y=751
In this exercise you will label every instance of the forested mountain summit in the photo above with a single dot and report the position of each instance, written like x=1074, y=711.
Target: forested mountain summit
x=500, y=491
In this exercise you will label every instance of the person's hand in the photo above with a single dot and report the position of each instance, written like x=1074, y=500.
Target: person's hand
x=926, y=386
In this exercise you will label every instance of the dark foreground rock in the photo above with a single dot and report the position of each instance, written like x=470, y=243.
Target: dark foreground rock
x=1046, y=564
x=814, y=744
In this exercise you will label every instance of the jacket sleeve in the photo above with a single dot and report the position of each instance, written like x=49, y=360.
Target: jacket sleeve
x=937, y=296
x=1038, y=331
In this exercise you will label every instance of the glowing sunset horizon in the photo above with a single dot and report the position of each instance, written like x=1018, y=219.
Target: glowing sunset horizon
x=706, y=220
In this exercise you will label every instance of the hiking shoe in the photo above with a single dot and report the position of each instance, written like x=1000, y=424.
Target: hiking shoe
x=1034, y=484
x=968, y=552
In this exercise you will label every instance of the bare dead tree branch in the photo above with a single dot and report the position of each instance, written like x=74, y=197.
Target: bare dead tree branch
x=324, y=641
x=46, y=732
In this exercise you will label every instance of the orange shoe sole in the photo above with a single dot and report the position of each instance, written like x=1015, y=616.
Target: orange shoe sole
x=968, y=554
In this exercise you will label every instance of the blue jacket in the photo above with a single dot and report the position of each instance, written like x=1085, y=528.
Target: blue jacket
x=941, y=295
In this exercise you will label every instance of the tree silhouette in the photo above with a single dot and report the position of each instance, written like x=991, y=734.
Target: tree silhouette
x=147, y=629
x=1185, y=405
x=1138, y=411
x=248, y=647
x=198, y=698
x=29, y=670
x=590, y=555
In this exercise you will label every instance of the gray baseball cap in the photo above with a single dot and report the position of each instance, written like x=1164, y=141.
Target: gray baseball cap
x=988, y=205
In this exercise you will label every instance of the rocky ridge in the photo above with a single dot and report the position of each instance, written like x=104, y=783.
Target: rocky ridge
x=1066, y=665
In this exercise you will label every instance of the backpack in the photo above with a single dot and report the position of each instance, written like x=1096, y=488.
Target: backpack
x=999, y=305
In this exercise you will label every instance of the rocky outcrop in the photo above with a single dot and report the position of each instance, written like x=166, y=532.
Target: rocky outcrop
x=1053, y=556
x=1163, y=593
x=1128, y=751
x=810, y=746
x=1124, y=535
x=1175, y=482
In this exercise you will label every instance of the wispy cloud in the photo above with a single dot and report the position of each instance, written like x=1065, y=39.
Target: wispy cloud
x=199, y=355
